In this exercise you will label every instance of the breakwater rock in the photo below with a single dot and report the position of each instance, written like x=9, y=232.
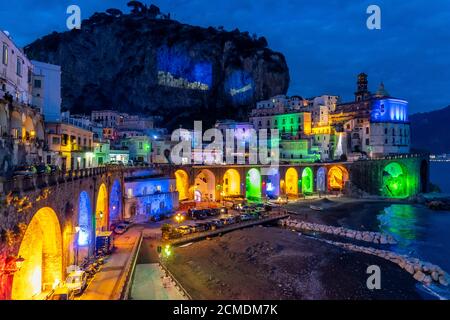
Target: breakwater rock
x=371, y=237
x=424, y=272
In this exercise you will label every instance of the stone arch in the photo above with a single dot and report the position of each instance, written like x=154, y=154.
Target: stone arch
x=205, y=183
x=115, y=202
x=232, y=183
x=28, y=129
x=182, y=184
x=291, y=182
x=337, y=178
x=253, y=185
x=395, y=181
x=101, y=209
x=84, y=220
x=307, y=181
x=41, y=247
x=322, y=179
x=16, y=123
x=271, y=184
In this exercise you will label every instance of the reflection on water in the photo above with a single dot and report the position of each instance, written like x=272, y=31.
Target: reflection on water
x=420, y=233
x=400, y=221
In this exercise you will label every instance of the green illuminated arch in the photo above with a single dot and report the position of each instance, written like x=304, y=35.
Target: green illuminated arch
x=253, y=185
x=395, y=181
x=307, y=181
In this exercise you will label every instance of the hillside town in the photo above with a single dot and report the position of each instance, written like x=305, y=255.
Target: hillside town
x=94, y=205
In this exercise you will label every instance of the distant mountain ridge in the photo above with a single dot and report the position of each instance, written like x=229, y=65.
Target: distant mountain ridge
x=430, y=131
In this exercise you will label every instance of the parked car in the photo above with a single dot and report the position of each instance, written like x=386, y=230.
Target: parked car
x=77, y=281
x=54, y=168
x=121, y=228
x=24, y=171
x=200, y=227
x=184, y=230
x=62, y=293
x=245, y=217
x=42, y=168
x=218, y=223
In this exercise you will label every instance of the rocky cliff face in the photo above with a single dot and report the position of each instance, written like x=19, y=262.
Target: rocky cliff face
x=139, y=64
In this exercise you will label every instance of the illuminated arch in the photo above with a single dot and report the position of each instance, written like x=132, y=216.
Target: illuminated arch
x=253, y=185
x=84, y=219
x=322, y=179
x=205, y=183
x=232, y=183
x=395, y=181
x=115, y=202
x=291, y=182
x=307, y=181
x=337, y=178
x=272, y=183
x=182, y=183
x=101, y=209
x=41, y=247
x=16, y=123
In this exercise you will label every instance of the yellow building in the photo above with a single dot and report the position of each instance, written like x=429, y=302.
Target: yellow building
x=69, y=146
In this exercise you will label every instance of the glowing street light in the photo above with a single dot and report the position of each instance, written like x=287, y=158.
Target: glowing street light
x=167, y=251
x=179, y=218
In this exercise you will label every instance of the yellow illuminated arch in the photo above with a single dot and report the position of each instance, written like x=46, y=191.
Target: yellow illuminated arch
x=337, y=177
x=41, y=247
x=182, y=183
x=101, y=209
x=232, y=183
x=291, y=182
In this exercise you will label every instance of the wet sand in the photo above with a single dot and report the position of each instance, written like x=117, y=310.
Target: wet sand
x=273, y=263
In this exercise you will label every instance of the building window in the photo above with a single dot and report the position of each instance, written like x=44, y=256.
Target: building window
x=37, y=84
x=367, y=130
x=19, y=67
x=141, y=145
x=56, y=140
x=5, y=54
x=367, y=142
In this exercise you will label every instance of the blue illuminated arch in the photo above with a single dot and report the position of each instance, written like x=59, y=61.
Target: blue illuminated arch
x=115, y=202
x=271, y=185
x=322, y=179
x=84, y=219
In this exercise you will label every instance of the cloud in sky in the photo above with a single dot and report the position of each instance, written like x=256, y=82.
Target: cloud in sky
x=326, y=42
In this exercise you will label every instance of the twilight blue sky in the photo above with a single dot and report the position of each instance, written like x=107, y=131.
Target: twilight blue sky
x=326, y=42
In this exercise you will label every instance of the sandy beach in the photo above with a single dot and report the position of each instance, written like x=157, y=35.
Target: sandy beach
x=273, y=263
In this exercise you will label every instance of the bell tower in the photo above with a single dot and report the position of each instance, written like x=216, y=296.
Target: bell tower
x=362, y=92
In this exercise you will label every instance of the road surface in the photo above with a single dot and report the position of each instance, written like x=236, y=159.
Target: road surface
x=104, y=285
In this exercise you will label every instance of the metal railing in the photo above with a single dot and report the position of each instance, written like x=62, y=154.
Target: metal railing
x=174, y=279
x=38, y=181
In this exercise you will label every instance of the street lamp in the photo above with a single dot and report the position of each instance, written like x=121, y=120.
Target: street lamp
x=179, y=218
x=12, y=265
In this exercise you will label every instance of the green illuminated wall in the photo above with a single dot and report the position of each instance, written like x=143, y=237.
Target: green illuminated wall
x=307, y=181
x=289, y=122
x=397, y=183
x=253, y=185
